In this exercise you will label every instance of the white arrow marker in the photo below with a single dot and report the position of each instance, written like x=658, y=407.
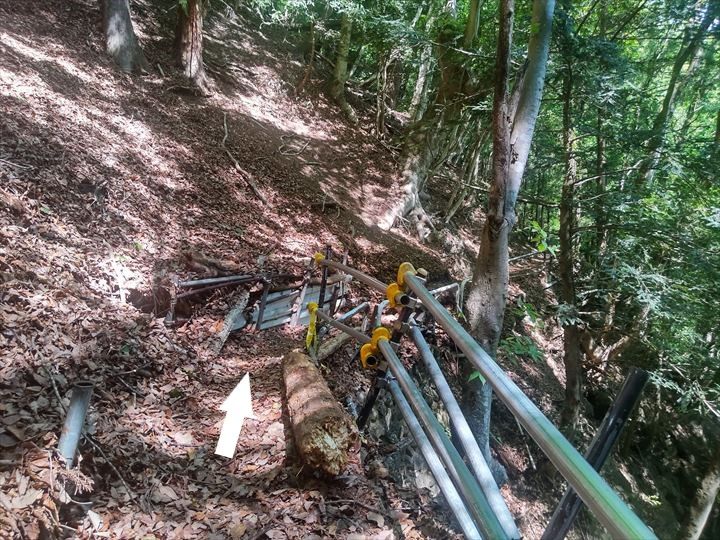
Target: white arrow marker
x=238, y=406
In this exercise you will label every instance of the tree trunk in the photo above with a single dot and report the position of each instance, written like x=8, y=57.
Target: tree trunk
x=688, y=50
x=324, y=433
x=473, y=23
x=704, y=499
x=337, y=86
x=486, y=299
x=189, y=43
x=572, y=356
x=120, y=40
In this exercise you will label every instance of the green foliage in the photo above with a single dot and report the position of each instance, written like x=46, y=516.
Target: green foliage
x=525, y=309
x=516, y=347
x=540, y=239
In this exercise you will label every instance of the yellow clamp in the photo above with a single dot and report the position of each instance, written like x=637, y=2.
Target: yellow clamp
x=391, y=292
x=369, y=353
x=402, y=270
x=311, y=338
x=318, y=258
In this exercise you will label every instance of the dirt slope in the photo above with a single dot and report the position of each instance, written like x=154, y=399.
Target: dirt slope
x=106, y=179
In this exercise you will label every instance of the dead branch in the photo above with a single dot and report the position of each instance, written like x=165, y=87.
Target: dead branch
x=238, y=168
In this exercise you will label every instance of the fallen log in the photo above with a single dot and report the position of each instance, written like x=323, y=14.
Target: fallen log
x=325, y=435
x=330, y=346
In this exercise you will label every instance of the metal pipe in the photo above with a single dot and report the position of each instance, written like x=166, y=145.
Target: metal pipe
x=350, y=314
x=378, y=315
x=357, y=274
x=602, y=500
x=602, y=444
x=436, y=467
x=467, y=439
x=466, y=483
x=355, y=334
x=193, y=292
x=444, y=288
x=213, y=281
x=74, y=421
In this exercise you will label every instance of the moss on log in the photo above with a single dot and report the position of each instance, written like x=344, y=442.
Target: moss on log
x=324, y=433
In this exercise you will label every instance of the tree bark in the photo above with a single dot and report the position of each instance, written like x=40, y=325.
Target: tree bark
x=572, y=356
x=337, y=86
x=120, y=40
x=324, y=434
x=485, y=304
x=704, y=499
x=189, y=43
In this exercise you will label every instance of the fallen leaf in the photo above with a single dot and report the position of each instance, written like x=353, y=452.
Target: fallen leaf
x=377, y=518
x=237, y=531
x=26, y=500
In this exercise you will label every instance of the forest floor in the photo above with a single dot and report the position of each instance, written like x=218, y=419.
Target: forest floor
x=105, y=181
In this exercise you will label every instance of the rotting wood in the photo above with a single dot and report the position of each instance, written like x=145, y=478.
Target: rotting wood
x=229, y=323
x=330, y=346
x=325, y=435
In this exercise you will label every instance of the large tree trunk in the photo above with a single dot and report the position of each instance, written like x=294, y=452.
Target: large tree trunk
x=189, y=43
x=120, y=40
x=324, y=434
x=486, y=299
x=704, y=499
x=337, y=86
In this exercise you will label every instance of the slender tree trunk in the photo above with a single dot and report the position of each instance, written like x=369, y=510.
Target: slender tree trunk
x=486, y=299
x=687, y=52
x=473, y=23
x=120, y=40
x=420, y=92
x=189, y=43
x=704, y=499
x=381, y=94
x=572, y=356
x=340, y=74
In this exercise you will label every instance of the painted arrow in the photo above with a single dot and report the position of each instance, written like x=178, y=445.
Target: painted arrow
x=238, y=406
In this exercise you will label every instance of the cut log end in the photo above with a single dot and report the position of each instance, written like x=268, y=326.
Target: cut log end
x=324, y=433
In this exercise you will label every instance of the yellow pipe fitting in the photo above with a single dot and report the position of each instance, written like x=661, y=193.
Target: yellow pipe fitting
x=391, y=293
x=378, y=334
x=402, y=270
x=318, y=258
x=368, y=356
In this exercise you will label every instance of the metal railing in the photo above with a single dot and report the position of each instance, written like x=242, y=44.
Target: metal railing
x=599, y=497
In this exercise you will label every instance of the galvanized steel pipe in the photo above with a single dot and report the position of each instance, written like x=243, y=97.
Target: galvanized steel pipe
x=600, y=498
x=462, y=477
x=467, y=439
x=74, y=421
x=355, y=334
x=436, y=467
x=357, y=274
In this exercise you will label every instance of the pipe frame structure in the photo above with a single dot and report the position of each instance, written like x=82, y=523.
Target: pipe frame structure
x=464, y=480
x=357, y=274
x=472, y=450
x=595, y=492
x=434, y=463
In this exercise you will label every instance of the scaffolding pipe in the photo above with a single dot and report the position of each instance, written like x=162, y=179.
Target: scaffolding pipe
x=436, y=467
x=357, y=274
x=355, y=334
x=467, y=439
x=466, y=483
x=354, y=311
x=600, y=498
x=74, y=421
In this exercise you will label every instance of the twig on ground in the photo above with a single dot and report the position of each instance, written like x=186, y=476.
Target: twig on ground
x=97, y=447
x=359, y=503
x=160, y=69
x=246, y=176
x=14, y=164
